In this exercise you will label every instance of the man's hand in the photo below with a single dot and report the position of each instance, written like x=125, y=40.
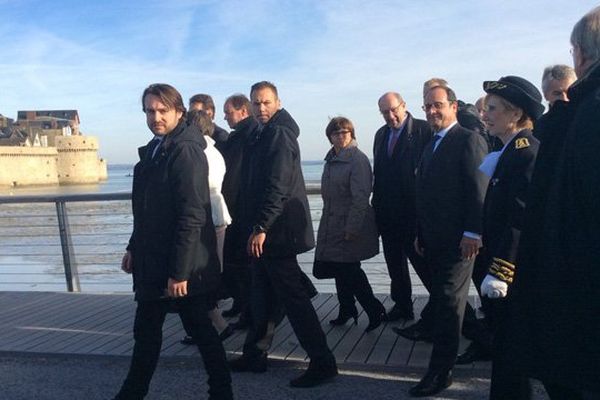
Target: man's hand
x=255, y=244
x=127, y=262
x=177, y=288
x=469, y=247
x=418, y=247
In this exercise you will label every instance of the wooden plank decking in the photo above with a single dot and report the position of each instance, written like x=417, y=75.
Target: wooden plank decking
x=101, y=324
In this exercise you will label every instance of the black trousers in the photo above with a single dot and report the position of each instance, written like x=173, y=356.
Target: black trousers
x=237, y=281
x=397, y=247
x=352, y=284
x=449, y=291
x=506, y=382
x=279, y=281
x=147, y=332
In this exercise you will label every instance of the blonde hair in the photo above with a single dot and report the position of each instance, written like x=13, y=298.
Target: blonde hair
x=524, y=122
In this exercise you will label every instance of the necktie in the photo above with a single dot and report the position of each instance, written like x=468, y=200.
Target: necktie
x=393, y=141
x=428, y=153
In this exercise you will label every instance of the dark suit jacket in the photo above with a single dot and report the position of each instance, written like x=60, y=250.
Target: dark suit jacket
x=504, y=205
x=450, y=190
x=394, y=177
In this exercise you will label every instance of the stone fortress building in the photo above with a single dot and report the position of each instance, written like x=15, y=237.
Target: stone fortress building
x=47, y=148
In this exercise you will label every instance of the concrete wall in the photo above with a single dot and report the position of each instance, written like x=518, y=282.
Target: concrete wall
x=28, y=166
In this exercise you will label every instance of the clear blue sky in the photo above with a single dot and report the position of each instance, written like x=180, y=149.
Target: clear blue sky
x=327, y=58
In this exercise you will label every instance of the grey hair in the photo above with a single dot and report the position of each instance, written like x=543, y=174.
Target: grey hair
x=558, y=72
x=586, y=35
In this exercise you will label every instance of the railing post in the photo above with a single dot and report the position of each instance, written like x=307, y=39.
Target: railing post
x=70, y=266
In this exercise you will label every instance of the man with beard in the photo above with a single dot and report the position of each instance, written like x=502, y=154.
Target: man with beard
x=172, y=250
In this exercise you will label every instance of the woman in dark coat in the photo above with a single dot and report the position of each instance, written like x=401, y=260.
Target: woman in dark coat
x=511, y=105
x=347, y=231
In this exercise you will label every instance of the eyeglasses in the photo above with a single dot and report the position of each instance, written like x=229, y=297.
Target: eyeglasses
x=438, y=105
x=392, y=110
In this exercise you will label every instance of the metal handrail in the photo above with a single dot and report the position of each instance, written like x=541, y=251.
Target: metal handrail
x=65, y=198
x=73, y=234
x=60, y=200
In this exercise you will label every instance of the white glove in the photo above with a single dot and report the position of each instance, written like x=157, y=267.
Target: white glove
x=493, y=287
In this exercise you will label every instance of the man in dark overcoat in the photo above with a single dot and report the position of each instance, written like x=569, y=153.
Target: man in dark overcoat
x=204, y=102
x=450, y=192
x=172, y=250
x=397, y=150
x=236, y=268
x=556, y=298
x=278, y=220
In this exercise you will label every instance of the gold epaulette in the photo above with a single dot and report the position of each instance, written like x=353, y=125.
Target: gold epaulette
x=502, y=269
x=522, y=143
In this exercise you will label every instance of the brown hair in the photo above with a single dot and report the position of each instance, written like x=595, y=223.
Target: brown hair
x=264, y=85
x=239, y=101
x=202, y=121
x=339, y=124
x=204, y=99
x=168, y=95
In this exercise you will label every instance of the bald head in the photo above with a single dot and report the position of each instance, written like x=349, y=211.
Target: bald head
x=393, y=109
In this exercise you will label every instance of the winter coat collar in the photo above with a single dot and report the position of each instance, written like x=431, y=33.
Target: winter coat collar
x=344, y=155
x=586, y=84
x=283, y=118
x=181, y=133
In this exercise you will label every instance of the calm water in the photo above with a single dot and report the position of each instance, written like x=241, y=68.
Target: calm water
x=120, y=179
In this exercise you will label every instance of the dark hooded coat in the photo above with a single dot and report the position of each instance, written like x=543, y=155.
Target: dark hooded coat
x=274, y=194
x=173, y=234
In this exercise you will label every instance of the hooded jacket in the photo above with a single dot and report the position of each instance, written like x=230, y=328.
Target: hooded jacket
x=274, y=195
x=173, y=233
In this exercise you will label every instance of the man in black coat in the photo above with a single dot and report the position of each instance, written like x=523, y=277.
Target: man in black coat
x=278, y=220
x=556, y=297
x=172, y=250
x=397, y=150
x=205, y=103
x=236, y=268
x=450, y=192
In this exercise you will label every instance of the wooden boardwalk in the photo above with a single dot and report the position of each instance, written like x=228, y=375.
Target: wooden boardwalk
x=101, y=324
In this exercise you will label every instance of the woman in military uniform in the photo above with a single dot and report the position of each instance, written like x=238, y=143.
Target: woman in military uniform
x=512, y=105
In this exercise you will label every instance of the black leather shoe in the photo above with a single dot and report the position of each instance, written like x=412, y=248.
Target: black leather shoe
x=414, y=332
x=432, y=383
x=314, y=376
x=397, y=313
x=188, y=340
x=473, y=353
x=244, y=363
x=342, y=319
x=375, y=321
